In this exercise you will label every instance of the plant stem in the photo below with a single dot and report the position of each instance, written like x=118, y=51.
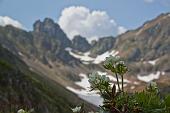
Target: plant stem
x=122, y=83
x=118, y=81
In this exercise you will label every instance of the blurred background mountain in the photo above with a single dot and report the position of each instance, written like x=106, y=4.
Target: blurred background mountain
x=43, y=68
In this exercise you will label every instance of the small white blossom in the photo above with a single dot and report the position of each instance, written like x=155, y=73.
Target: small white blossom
x=98, y=82
x=152, y=86
x=76, y=109
x=21, y=111
x=111, y=61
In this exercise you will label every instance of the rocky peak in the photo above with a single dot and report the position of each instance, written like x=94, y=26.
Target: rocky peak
x=37, y=26
x=51, y=30
x=102, y=45
x=80, y=43
x=154, y=25
x=47, y=26
x=50, y=27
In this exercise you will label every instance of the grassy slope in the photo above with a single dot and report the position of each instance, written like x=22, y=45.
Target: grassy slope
x=21, y=88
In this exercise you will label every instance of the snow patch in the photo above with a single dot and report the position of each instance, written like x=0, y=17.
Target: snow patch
x=85, y=93
x=84, y=62
x=149, y=77
x=19, y=53
x=102, y=57
x=84, y=83
x=169, y=15
x=153, y=62
x=136, y=83
x=132, y=87
x=163, y=73
x=84, y=57
x=92, y=98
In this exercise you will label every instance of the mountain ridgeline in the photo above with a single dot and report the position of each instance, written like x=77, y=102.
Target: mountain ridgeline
x=37, y=66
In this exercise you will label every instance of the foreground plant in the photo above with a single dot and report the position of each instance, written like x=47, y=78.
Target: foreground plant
x=24, y=111
x=116, y=100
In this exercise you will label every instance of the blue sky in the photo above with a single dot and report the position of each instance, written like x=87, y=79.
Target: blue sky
x=127, y=13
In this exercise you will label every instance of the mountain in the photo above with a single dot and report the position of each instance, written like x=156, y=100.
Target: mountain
x=102, y=45
x=43, y=51
x=146, y=51
x=48, y=52
x=53, y=30
x=147, y=44
x=80, y=44
x=151, y=40
x=22, y=88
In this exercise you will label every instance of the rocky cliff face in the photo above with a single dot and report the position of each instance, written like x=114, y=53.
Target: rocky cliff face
x=52, y=29
x=42, y=50
x=51, y=41
x=151, y=40
x=47, y=41
x=102, y=45
x=80, y=43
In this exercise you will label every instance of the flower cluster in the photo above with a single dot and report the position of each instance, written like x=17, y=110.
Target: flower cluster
x=77, y=109
x=116, y=65
x=23, y=111
x=99, y=82
x=152, y=87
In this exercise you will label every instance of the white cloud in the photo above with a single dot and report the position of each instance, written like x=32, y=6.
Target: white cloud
x=79, y=20
x=121, y=30
x=5, y=20
x=149, y=1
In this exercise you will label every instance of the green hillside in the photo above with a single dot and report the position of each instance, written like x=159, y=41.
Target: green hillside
x=21, y=88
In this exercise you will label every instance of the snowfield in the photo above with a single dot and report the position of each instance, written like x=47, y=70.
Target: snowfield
x=102, y=57
x=86, y=59
x=91, y=96
x=150, y=77
x=85, y=93
x=19, y=53
x=153, y=62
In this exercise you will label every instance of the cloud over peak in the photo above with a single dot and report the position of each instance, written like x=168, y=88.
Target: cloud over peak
x=5, y=20
x=79, y=20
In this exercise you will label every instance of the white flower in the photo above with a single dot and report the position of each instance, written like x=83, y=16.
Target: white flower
x=105, y=79
x=21, y=111
x=76, y=109
x=111, y=61
x=98, y=82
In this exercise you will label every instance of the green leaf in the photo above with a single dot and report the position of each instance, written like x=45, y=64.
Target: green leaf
x=167, y=100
